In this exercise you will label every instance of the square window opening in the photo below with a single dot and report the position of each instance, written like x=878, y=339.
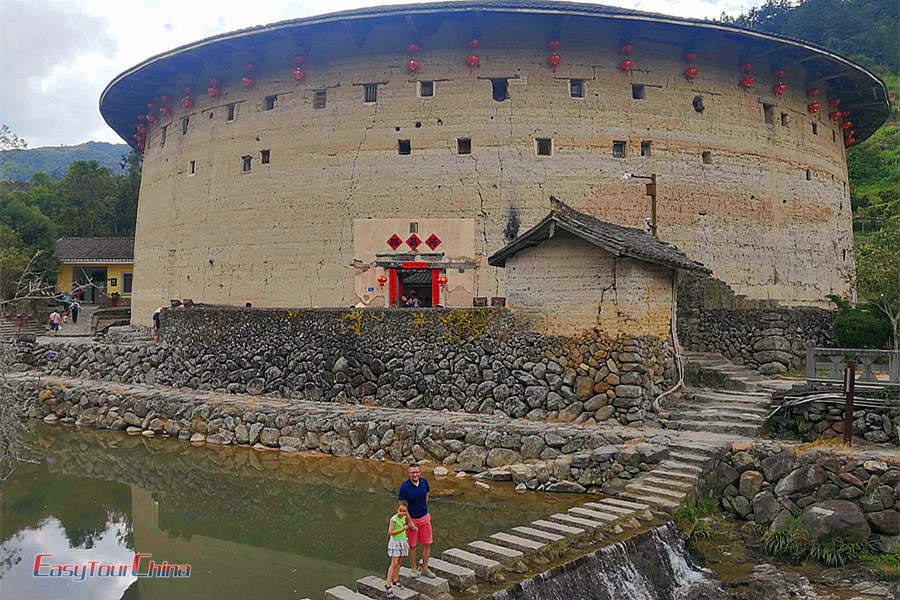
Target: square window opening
x=184, y=125
x=127, y=279
x=707, y=157
x=645, y=149
x=833, y=136
x=544, y=146
x=246, y=163
x=264, y=157
x=403, y=147
x=370, y=92
x=413, y=227
x=637, y=92
x=320, y=99
x=784, y=119
x=500, y=89
x=269, y=102
x=576, y=88
x=618, y=149
x=464, y=146
x=815, y=128
x=191, y=168
x=230, y=114
x=769, y=113
x=162, y=140
x=808, y=175
x=426, y=89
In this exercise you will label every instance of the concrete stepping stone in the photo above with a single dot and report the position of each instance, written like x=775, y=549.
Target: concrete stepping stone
x=566, y=530
x=508, y=557
x=664, y=482
x=344, y=593
x=373, y=587
x=672, y=474
x=610, y=508
x=588, y=525
x=458, y=577
x=657, y=491
x=433, y=587
x=666, y=504
x=641, y=513
x=690, y=458
x=526, y=546
x=486, y=569
x=681, y=466
x=537, y=535
x=596, y=515
x=625, y=503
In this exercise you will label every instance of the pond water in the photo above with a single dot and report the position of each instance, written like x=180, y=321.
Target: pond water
x=250, y=524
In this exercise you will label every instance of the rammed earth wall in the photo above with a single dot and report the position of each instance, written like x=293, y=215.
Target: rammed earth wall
x=478, y=361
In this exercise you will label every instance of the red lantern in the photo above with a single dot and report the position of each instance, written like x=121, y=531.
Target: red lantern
x=849, y=133
x=748, y=82
x=299, y=59
x=690, y=73
x=152, y=106
x=553, y=45
x=746, y=67
x=835, y=115
x=213, y=92
x=626, y=65
x=845, y=113
x=213, y=82
x=626, y=48
x=846, y=124
x=779, y=74
x=164, y=111
x=413, y=47
x=413, y=65
x=690, y=56
x=165, y=99
x=140, y=146
x=814, y=107
x=188, y=90
x=299, y=74
x=250, y=67
x=142, y=117
x=247, y=81
x=139, y=137
x=381, y=280
x=442, y=279
x=140, y=127
x=849, y=142
x=473, y=61
x=151, y=119
x=187, y=102
x=813, y=93
x=553, y=60
x=474, y=43
x=779, y=88
x=834, y=101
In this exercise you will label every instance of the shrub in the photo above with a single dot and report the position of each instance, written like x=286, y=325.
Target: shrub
x=859, y=326
x=795, y=543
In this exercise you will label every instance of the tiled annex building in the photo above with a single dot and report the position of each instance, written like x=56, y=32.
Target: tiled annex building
x=349, y=158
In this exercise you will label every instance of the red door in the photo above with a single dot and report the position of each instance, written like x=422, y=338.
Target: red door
x=435, y=287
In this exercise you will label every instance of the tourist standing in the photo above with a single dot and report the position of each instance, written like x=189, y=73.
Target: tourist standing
x=415, y=492
x=65, y=302
x=74, y=308
x=398, y=545
x=54, y=322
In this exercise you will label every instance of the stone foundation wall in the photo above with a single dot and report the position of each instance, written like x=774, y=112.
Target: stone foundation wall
x=765, y=481
x=818, y=420
x=478, y=361
x=545, y=456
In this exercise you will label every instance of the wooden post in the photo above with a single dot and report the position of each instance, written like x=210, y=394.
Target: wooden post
x=849, y=378
x=651, y=191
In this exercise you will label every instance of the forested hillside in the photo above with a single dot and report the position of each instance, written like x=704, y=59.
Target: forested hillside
x=20, y=165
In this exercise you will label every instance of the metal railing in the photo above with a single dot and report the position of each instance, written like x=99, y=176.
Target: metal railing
x=875, y=368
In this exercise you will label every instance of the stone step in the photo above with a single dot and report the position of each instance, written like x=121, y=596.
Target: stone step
x=559, y=528
x=526, y=546
x=433, y=587
x=616, y=510
x=458, y=577
x=486, y=569
x=508, y=557
x=715, y=426
x=664, y=503
x=537, y=535
x=690, y=458
x=663, y=482
x=589, y=525
x=373, y=587
x=686, y=468
x=672, y=474
x=750, y=413
x=625, y=503
x=657, y=491
x=344, y=593
x=595, y=515
x=639, y=513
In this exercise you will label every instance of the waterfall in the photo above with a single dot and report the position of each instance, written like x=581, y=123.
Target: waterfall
x=653, y=565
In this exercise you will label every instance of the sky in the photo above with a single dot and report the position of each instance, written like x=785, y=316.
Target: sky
x=56, y=57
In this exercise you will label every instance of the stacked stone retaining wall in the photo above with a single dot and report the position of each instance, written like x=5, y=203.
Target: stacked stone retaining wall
x=826, y=421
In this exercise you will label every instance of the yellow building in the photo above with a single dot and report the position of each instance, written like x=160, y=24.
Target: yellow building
x=102, y=267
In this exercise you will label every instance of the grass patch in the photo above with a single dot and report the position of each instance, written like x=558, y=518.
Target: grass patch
x=691, y=518
x=795, y=543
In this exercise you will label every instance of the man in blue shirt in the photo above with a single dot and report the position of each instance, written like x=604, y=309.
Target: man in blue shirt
x=415, y=491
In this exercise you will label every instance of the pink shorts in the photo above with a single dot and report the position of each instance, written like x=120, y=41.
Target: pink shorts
x=422, y=534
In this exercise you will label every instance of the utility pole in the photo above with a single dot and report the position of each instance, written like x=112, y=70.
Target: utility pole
x=651, y=191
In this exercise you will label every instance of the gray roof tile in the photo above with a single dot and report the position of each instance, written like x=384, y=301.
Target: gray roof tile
x=80, y=249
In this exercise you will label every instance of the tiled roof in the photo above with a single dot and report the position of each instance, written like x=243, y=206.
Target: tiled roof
x=98, y=250
x=615, y=239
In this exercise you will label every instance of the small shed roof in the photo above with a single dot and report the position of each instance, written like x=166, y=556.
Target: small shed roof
x=83, y=250
x=615, y=239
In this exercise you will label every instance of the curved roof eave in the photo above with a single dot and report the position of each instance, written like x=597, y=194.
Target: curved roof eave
x=557, y=8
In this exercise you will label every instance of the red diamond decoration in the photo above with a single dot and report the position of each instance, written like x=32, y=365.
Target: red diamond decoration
x=433, y=241
x=394, y=241
x=413, y=241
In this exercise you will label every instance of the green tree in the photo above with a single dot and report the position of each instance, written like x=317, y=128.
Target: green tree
x=128, y=186
x=878, y=273
x=86, y=201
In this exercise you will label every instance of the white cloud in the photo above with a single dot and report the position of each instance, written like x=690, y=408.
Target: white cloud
x=56, y=57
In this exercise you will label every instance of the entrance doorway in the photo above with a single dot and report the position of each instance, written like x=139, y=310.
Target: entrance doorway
x=94, y=278
x=414, y=280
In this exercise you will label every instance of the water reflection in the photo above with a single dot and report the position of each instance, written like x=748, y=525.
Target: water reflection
x=250, y=524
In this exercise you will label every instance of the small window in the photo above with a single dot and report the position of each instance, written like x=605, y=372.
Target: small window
x=576, y=88
x=403, y=147
x=162, y=139
x=269, y=102
x=191, y=168
x=320, y=99
x=815, y=128
x=645, y=149
x=784, y=119
x=769, y=113
x=264, y=157
x=184, y=125
x=500, y=89
x=544, y=146
x=697, y=103
x=127, y=279
x=413, y=227
x=370, y=92
x=426, y=89
x=844, y=187
x=637, y=92
x=230, y=114
x=245, y=163
x=618, y=149
x=707, y=157
x=808, y=175
x=833, y=136
x=464, y=146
